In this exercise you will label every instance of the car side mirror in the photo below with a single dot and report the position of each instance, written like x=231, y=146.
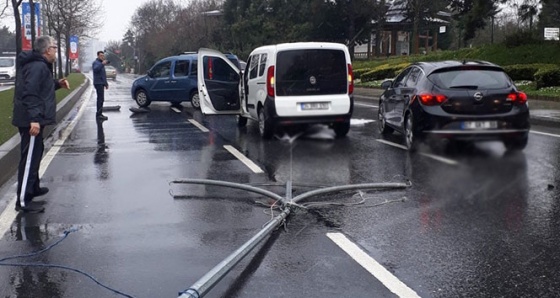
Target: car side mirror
x=386, y=84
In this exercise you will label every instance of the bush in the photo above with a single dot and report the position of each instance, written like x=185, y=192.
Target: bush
x=358, y=72
x=525, y=72
x=383, y=72
x=548, y=76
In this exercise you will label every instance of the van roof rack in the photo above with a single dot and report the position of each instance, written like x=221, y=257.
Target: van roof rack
x=188, y=53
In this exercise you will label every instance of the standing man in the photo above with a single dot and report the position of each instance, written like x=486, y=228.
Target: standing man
x=34, y=108
x=100, y=82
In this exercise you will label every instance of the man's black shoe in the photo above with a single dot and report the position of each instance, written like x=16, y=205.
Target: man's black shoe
x=102, y=117
x=29, y=208
x=41, y=191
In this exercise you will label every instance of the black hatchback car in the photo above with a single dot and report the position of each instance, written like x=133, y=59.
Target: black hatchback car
x=454, y=101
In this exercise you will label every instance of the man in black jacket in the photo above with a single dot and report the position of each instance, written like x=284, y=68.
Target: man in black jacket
x=100, y=82
x=34, y=108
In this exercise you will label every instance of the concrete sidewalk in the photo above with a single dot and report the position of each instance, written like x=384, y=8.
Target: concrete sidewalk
x=543, y=112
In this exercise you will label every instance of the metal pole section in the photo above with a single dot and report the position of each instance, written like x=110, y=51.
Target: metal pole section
x=349, y=187
x=210, y=279
x=26, y=172
x=231, y=185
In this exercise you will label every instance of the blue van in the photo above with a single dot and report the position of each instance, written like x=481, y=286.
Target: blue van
x=172, y=79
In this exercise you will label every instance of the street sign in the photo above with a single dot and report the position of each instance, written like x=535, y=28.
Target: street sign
x=551, y=33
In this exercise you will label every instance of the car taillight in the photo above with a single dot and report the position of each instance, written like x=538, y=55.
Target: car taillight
x=431, y=99
x=519, y=97
x=350, y=79
x=270, y=81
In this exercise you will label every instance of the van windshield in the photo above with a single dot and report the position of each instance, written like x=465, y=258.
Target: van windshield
x=311, y=72
x=6, y=62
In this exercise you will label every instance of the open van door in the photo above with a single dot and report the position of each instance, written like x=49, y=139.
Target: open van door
x=218, y=83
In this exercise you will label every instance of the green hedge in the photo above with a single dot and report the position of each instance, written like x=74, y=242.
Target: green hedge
x=547, y=77
x=383, y=72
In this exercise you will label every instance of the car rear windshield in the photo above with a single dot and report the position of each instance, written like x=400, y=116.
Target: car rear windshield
x=311, y=72
x=471, y=79
x=6, y=62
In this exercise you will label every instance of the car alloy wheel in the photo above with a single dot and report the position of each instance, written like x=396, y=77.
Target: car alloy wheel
x=142, y=98
x=382, y=124
x=195, y=100
x=410, y=137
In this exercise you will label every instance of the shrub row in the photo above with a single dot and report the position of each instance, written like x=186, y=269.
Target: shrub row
x=545, y=75
x=381, y=72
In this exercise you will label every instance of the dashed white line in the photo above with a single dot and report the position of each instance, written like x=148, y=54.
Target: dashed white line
x=250, y=164
x=176, y=110
x=200, y=126
x=545, y=133
x=372, y=266
x=9, y=214
x=432, y=156
x=366, y=105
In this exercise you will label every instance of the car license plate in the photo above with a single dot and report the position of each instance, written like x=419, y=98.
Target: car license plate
x=314, y=106
x=480, y=124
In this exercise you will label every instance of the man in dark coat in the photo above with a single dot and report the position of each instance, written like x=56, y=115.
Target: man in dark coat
x=100, y=82
x=34, y=108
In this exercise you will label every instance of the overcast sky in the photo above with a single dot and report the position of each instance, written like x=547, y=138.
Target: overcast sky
x=116, y=17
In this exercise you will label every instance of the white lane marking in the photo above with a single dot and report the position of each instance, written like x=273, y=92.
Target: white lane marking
x=9, y=214
x=357, y=122
x=200, y=126
x=176, y=110
x=366, y=105
x=250, y=164
x=392, y=144
x=372, y=266
x=545, y=133
x=441, y=159
x=432, y=156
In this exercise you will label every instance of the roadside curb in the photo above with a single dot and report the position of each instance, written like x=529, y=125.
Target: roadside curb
x=9, y=151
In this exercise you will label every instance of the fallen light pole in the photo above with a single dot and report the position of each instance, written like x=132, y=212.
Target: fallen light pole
x=202, y=286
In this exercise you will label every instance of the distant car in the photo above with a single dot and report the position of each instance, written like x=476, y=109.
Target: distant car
x=454, y=101
x=172, y=79
x=111, y=72
x=8, y=68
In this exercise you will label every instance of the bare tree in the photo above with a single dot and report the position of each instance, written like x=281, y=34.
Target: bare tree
x=67, y=18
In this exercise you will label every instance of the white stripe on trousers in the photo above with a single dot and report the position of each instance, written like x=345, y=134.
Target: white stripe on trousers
x=26, y=172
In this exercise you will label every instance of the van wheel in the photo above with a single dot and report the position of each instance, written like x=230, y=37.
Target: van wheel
x=142, y=99
x=241, y=121
x=195, y=100
x=265, y=127
x=341, y=128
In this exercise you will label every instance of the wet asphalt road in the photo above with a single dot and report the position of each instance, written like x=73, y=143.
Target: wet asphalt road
x=476, y=222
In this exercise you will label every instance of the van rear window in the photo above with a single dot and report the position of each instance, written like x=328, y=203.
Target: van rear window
x=311, y=72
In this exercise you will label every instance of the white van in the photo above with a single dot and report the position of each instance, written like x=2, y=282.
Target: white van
x=7, y=68
x=284, y=84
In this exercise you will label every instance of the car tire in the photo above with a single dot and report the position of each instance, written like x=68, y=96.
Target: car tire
x=241, y=121
x=341, y=128
x=384, y=129
x=410, y=135
x=265, y=127
x=195, y=100
x=142, y=98
x=516, y=144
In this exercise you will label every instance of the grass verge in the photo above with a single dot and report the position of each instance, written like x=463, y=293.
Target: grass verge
x=7, y=130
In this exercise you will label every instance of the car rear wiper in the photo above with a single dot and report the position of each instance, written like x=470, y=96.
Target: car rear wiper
x=474, y=87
